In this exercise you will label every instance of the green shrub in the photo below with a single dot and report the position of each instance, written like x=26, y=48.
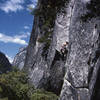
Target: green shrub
x=4, y=98
x=0, y=89
x=45, y=38
x=43, y=95
x=14, y=86
x=15, y=69
x=36, y=12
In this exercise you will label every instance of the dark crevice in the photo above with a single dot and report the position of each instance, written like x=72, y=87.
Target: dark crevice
x=54, y=89
x=97, y=54
x=59, y=56
x=94, y=60
x=90, y=74
x=96, y=91
x=57, y=72
x=45, y=51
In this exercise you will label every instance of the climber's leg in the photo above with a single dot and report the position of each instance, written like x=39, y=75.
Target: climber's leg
x=62, y=56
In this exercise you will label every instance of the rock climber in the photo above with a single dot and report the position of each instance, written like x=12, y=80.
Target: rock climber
x=64, y=50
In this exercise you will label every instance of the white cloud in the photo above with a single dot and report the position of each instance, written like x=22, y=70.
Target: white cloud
x=28, y=33
x=24, y=35
x=34, y=2
x=26, y=27
x=15, y=5
x=32, y=5
x=12, y=6
x=10, y=59
x=18, y=39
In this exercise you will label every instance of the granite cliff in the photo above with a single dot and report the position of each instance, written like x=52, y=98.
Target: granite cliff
x=75, y=77
x=19, y=59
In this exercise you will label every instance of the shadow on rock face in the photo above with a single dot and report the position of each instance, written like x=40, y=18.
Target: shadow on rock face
x=57, y=72
x=96, y=92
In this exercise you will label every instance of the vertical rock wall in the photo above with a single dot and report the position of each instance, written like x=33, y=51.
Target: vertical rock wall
x=84, y=41
x=47, y=69
x=19, y=59
x=44, y=63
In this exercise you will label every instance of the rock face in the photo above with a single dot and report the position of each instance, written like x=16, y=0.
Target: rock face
x=19, y=59
x=5, y=65
x=81, y=69
x=44, y=62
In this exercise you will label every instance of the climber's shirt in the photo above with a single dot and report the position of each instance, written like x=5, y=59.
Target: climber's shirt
x=64, y=49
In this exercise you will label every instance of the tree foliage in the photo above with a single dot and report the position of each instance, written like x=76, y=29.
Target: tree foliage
x=14, y=86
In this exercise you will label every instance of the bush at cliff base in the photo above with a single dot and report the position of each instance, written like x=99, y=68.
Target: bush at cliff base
x=14, y=86
x=43, y=95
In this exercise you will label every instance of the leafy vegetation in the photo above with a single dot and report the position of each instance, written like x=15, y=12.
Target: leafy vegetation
x=14, y=86
x=4, y=98
x=16, y=83
x=93, y=10
x=45, y=38
x=45, y=49
x=43, y=95
x=48, y=11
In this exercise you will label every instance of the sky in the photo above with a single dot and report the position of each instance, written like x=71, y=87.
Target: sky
x=15, y=25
